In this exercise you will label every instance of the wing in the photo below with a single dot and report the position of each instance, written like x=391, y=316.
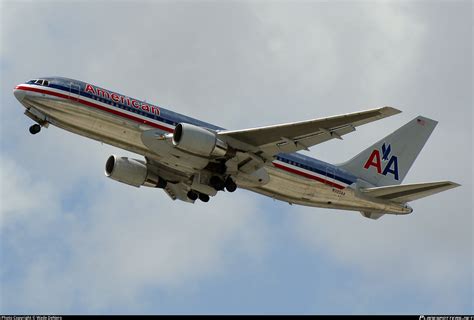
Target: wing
x=291, y=137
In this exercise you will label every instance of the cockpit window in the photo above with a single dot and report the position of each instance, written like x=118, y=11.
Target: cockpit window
x=40, y=82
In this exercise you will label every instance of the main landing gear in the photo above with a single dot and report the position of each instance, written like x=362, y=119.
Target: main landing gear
x=230, y=185
x=34, y=129
x=219, y=184
x=204, y=197
x=193, y=195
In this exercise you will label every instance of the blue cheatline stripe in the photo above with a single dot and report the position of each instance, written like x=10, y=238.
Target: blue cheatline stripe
x=286, y=158
x=82, y=93
x=134, y=116
x=322, y=172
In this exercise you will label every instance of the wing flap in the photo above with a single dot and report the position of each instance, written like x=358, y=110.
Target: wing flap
x=303, y=143
x=409, y=192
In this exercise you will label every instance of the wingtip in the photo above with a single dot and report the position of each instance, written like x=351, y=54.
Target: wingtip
x=449, y=184
x=389, y=111
x=454, y=184
x=423, y=119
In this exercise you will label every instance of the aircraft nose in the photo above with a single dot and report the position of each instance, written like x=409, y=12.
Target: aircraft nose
x=19, y=94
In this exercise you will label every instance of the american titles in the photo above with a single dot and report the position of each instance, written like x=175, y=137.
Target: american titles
x=121, y=99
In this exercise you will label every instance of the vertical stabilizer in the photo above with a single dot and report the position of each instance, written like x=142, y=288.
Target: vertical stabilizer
x=387, y=162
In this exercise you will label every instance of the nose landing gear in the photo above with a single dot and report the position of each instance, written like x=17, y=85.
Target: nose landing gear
x=34, y=129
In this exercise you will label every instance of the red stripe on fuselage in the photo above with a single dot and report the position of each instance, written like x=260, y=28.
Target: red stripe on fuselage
x=309, y=176
x=94, y=105
x=152, y=124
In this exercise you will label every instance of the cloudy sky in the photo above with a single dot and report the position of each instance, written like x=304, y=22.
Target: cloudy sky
x=73, y=241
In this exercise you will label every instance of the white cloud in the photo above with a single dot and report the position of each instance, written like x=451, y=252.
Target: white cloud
x=122, y=241
x=20, y=193
x=378, y=49
x=95, y=243
x=430, y=249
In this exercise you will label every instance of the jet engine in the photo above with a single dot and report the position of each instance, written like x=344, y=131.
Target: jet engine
x=199, y=141
x=132, y=172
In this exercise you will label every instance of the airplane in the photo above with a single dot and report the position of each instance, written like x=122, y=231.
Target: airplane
x=190, y=159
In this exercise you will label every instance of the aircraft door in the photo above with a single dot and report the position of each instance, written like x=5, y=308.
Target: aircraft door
x=74, y=91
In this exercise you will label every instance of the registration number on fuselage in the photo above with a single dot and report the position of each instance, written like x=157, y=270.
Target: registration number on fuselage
x=338, y=192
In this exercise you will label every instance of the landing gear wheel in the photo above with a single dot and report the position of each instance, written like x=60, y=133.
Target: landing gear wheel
x=230, y=185
x=34, y=129
x=203, y=197
x=217, y=183
x=192, y=195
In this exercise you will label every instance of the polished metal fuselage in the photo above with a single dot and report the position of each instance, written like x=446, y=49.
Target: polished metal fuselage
x=73, y=116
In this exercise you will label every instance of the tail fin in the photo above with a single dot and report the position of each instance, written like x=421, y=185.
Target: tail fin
x=387, y=162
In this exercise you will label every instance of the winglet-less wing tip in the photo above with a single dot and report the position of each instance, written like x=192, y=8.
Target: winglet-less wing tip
x=389, y=111
x=454, y=184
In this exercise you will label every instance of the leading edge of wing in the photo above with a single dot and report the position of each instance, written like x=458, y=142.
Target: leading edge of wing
x=263, y=135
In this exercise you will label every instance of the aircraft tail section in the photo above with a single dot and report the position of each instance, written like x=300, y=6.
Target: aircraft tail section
x=387, y=161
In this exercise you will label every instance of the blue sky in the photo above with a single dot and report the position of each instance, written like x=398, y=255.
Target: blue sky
x=73, y=241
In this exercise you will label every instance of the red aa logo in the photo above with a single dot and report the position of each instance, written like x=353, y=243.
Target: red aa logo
x=375, y=161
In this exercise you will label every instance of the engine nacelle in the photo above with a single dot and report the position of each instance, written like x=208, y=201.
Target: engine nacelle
x=197, y=140
x=132, y=172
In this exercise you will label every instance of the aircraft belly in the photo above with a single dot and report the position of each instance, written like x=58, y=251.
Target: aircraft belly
x=109, y=129
x=294, y=189
x=91, y=123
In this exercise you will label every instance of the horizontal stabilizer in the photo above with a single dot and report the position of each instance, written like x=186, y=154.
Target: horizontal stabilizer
x=409, y=192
